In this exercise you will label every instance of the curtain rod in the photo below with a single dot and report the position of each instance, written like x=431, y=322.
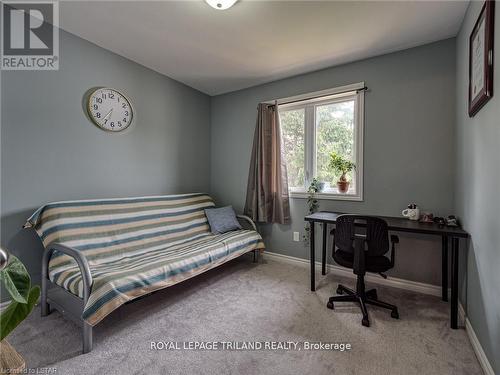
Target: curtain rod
x=319, y=96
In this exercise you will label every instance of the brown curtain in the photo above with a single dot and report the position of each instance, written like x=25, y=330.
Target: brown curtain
x=267, y=191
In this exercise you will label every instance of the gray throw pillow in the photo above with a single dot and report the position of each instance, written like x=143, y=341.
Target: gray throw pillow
x=222, y=219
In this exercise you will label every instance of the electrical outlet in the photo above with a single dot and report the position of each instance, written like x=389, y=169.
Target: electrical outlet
x=296, y=236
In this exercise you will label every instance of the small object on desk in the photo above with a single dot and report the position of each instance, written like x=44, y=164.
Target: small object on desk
x=427, y=217
x=451, y=221
x=439, y=220
x=412, y=212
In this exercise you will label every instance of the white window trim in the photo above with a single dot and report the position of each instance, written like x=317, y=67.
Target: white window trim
x=322, y=97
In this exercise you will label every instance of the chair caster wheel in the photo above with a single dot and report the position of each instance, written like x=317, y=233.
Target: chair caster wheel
x=365, y=322
x=395, y=314
x=340, y=290
x=330, y=305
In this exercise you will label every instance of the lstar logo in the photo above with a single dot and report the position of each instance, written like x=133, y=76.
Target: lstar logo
x=30, y=35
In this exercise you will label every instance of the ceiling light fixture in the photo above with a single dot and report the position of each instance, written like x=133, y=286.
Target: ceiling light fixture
x=221, y=4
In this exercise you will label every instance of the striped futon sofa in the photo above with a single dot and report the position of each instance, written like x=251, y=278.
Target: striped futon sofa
x=100, y=254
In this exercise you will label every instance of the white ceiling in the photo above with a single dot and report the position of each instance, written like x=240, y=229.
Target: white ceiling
x=256, y=41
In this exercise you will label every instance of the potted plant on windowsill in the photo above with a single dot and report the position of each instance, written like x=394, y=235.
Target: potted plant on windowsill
x=17, y=282
x=341, y=166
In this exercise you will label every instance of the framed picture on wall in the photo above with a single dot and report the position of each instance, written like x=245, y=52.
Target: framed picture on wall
x=481, y=59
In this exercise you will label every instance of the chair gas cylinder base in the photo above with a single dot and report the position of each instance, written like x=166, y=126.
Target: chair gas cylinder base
x=367, y=255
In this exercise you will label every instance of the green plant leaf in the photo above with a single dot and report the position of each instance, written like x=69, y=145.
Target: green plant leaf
x=16, y=312
x=16, y=279
x=340, y=165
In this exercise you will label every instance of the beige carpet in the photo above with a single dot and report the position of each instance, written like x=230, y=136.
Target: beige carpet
x=242, y=301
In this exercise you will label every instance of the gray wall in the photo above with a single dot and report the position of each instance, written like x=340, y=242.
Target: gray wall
x=477, y=189
x=50, y=151
x=409, y=145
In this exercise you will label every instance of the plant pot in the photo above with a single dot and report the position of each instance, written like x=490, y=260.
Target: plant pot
x=343, y=186
x=11, y=361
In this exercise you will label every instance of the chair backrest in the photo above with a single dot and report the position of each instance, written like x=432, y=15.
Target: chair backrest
x=377, y=234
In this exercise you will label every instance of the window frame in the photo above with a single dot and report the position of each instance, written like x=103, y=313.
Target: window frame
x=309, y=102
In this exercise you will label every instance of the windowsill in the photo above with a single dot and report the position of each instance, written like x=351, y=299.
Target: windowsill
x=328, y=196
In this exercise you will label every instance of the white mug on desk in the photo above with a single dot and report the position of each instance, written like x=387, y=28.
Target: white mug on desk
x=411, y=213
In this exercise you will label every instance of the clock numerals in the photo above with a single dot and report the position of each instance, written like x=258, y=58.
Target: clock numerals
x=110, y=110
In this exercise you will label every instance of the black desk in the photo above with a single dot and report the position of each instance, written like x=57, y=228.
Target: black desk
x=399, y=224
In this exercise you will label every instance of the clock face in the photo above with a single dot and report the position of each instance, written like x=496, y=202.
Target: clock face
x=110, y=109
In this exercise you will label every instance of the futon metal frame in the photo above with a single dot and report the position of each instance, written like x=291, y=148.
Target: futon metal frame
x=70, y=305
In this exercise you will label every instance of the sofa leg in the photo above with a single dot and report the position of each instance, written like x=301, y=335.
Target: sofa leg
x=87, y=338
x=256, y=255
x=44, y=306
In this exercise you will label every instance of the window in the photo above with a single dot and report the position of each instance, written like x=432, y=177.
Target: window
x=314, y=128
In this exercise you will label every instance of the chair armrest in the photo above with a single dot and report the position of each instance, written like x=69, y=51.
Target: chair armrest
x=244, y=219
x=80, y=259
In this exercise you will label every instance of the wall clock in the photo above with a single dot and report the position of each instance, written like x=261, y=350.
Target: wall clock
x=109, y=109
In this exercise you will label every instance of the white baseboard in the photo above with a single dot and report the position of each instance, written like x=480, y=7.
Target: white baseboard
x=478, y=349
x=414, y=286
x=461, y=315
x=429, y=289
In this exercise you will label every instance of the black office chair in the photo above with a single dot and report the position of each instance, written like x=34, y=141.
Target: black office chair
x=362, y=253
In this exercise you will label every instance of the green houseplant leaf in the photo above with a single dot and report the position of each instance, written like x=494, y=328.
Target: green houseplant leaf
x=16, y=279
x=16, y=312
